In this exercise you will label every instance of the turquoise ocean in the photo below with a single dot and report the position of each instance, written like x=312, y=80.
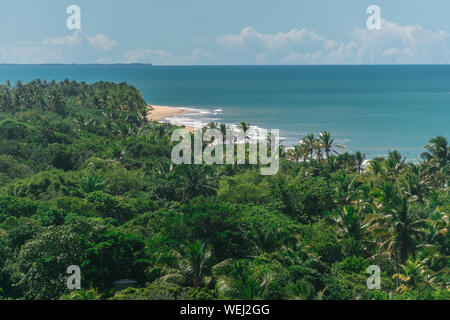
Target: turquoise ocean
x=372, y=109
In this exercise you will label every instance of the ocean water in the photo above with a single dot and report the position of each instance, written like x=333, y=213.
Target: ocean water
x=372, y=109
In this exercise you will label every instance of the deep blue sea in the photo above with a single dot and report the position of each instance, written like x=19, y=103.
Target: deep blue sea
x=372, y=109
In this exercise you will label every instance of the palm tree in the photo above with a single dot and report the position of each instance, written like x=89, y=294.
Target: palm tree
x=326, y=143
x=376, y=166
x=359, y=161
x=196, y=256
x=414, y=184
x=197, y=180
x=163, y=130
x=240, y=283
x=192, y=267
x=297, y=153
x=440, y=225
x=223, y=130
x=213, y=125
x=437, y=161
x=404, y=227
x=304, y=291
x=396, y=227
x=415, y=273
x=310, y=142
x=244, y=126
x=92, y=182
x=350, y=222
x=57, y=104
x=395, y=161
x=438, y=150
x=319, y=150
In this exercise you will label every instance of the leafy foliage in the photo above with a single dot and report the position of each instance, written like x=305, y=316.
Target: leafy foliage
x=86, y=179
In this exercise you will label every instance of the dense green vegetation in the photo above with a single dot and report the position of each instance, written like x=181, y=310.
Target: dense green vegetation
x=86, y=180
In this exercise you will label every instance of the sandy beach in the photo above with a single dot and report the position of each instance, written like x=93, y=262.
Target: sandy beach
x=159, y=113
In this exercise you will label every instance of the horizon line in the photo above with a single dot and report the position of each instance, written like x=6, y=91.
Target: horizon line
x=219, y=65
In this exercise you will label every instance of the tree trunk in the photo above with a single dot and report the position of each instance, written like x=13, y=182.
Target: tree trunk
x=396, y=271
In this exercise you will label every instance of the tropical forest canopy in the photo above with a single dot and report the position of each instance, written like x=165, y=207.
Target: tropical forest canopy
x=87, y=180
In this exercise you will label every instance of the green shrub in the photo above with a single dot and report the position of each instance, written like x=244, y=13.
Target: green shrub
x=109, y=206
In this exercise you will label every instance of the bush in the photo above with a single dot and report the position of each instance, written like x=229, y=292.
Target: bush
x=40, y=266
x=154, y=291
x=44, y=185
x=109, y=206
x=11, y=129
x=115, y=256
x=309, y=199
x=217, y=224
x=16, y=207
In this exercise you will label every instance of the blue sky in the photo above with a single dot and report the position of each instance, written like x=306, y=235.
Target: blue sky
x=185, y=32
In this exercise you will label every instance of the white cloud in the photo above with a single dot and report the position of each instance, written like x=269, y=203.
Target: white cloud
x=98, y=42
x=55, y=49
x=272, y=42
x=69, y=40
x=402, y=44
x=30, y=54
x=392, y=44
x=102, y=42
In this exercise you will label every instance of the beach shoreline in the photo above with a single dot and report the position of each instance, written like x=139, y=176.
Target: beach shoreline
x=160, y=113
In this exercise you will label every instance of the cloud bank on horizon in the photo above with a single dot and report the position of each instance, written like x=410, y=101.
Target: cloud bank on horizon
x=392, y=44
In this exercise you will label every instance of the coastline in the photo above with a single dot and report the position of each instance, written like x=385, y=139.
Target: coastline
x=160, y=113
x=170, y=114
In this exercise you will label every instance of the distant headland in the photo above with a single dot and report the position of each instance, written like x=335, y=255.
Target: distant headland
x=76, y=64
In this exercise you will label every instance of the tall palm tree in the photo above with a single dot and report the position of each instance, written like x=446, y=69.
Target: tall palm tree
x=438, y=161
x=192, y=266
x=395, y=162
x=350, y=221
x=197, y=180
x=244, y=126
x=376, y=166
x=396, y=227
x=414, y=184
x=359, y=161
x=319, y=149
x=309, y=141
x=438, y=150
x=297, y=153
x=223, y=130
x=328, y=145
x=196, y=255
x=240, y=283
